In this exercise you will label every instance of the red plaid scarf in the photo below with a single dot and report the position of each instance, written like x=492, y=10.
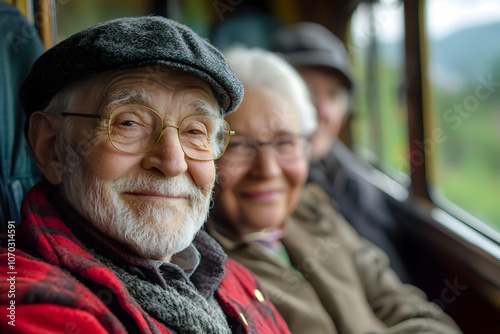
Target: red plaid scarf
x=54, y=273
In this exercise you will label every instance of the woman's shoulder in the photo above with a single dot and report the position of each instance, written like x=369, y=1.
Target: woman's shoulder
x=315, y=204
x=317, y=214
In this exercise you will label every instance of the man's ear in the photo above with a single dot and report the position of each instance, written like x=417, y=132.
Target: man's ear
x=42, y=135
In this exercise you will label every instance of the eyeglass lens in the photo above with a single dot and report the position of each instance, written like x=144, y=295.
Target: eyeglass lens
x=246, y=148
x=136, y=129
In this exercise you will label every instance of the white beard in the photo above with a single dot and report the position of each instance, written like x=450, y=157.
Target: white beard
x=150, y=229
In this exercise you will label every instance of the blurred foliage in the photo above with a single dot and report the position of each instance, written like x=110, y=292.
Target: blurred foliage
x=466, y=165
x=380, y=127
x=464, y=161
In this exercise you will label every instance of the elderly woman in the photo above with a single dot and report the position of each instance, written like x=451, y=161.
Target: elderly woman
x=320, y=274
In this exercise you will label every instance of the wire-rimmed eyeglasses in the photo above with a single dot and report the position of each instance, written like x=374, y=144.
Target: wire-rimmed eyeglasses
x=243, y=148
x=136, y=129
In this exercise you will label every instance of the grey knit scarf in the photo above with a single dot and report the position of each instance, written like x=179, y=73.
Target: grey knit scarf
x=179, y=306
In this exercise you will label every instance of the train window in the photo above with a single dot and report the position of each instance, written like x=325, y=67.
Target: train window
x=462, y=107
x=379, y=127
x=76, y=15
x=73, y=16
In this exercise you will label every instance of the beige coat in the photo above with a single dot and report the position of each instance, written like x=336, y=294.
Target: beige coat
x=341, y=283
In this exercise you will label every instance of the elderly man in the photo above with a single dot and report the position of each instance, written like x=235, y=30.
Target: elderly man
x=125, y=124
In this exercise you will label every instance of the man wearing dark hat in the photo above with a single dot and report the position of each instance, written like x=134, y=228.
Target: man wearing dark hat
x=125, y=122
x=322, y=60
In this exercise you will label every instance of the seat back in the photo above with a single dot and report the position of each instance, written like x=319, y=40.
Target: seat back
x=20, y=46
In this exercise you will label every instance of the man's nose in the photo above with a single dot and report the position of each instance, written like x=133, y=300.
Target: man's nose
x=167, y=156
x=323, y=108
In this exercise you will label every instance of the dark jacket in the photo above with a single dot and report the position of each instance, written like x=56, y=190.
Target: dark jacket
x=341, y=176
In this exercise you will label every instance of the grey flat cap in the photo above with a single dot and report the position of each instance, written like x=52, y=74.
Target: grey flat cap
x=311, y=44
x=129, y=43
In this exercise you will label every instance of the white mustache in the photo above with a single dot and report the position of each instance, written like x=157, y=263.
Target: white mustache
x=180, y=186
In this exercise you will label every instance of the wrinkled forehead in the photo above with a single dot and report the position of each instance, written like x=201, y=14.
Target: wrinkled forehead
x=151, y=86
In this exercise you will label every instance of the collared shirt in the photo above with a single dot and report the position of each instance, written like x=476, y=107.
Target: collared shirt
x=187, y=260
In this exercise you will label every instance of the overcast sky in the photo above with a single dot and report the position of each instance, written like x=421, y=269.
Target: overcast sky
x=448, y=16
x=443, y=17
